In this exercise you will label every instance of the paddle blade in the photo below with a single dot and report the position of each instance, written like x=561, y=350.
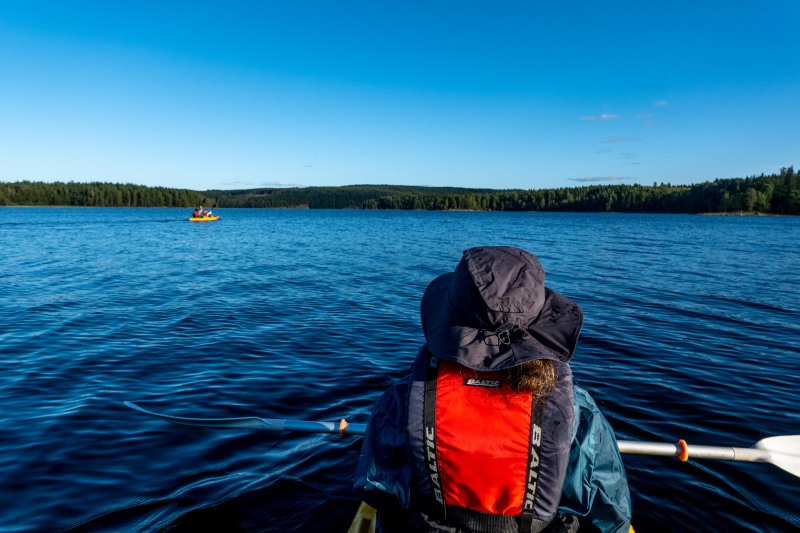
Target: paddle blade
x=263, y=424
x=250, y=422
x=784, y=452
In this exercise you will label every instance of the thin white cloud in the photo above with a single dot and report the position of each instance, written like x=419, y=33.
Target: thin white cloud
x=592, y=179
x=604, y=116
x=278, y=184
x=661, y=103
x=615, y=140
x=254, y=185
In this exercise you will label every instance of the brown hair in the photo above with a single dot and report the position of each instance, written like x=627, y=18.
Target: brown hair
x=537, y=376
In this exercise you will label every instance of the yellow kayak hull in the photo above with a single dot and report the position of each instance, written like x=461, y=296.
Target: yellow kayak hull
x=364, y=521
x=203, y=219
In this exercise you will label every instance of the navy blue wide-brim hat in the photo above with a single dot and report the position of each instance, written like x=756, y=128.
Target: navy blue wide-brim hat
x=494, y=312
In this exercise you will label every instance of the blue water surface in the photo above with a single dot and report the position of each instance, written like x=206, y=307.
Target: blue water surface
x=692, y=331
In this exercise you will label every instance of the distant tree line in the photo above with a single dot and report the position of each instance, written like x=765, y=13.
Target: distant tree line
x=97, y=194
x=768, y=194
x=345, y=197
x=777, y=193
x=623, y=198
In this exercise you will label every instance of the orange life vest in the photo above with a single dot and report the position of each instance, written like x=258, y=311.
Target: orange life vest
x=480, y=448
x=483, y=440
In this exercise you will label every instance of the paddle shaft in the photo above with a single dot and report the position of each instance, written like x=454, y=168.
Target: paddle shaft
x=752, y=455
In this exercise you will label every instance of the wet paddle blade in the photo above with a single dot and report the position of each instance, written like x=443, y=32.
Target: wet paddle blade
x=784, y=452
x=250, y=422
x=264, y=424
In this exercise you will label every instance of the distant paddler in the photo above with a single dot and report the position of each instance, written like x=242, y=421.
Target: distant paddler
x=201, y=214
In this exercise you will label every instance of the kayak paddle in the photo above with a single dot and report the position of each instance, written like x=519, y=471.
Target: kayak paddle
x=783, y=452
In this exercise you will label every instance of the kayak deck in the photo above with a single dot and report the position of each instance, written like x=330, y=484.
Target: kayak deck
x=204, y=219
x=365, y=519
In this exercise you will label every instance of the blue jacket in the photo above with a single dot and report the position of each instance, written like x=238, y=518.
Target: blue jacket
x=595, y=489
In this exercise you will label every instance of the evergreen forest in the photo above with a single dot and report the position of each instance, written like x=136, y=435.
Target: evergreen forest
x=95, y=194
x=765, y=194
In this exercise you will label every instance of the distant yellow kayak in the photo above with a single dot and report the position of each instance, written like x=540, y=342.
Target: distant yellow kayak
x=204, y=219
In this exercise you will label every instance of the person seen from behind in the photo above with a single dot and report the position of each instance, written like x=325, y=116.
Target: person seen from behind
x=488, y=432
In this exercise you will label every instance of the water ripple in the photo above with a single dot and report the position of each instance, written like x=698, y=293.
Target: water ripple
x=691, y=332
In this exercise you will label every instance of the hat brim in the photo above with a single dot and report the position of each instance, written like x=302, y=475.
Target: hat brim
x=553, y=335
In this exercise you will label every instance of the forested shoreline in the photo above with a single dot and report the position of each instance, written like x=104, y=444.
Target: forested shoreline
x=95, y=194
x=766, y=194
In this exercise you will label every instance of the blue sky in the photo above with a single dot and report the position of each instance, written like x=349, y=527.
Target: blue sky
x=205, y=95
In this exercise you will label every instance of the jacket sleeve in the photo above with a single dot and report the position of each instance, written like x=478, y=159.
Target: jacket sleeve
x=595, y=489
x=383, y=474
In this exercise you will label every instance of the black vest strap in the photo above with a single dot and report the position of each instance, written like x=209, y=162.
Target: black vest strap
x=527, y=521
x=429, y=425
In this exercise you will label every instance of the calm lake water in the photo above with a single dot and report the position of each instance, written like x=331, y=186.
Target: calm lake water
x=692, y=331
